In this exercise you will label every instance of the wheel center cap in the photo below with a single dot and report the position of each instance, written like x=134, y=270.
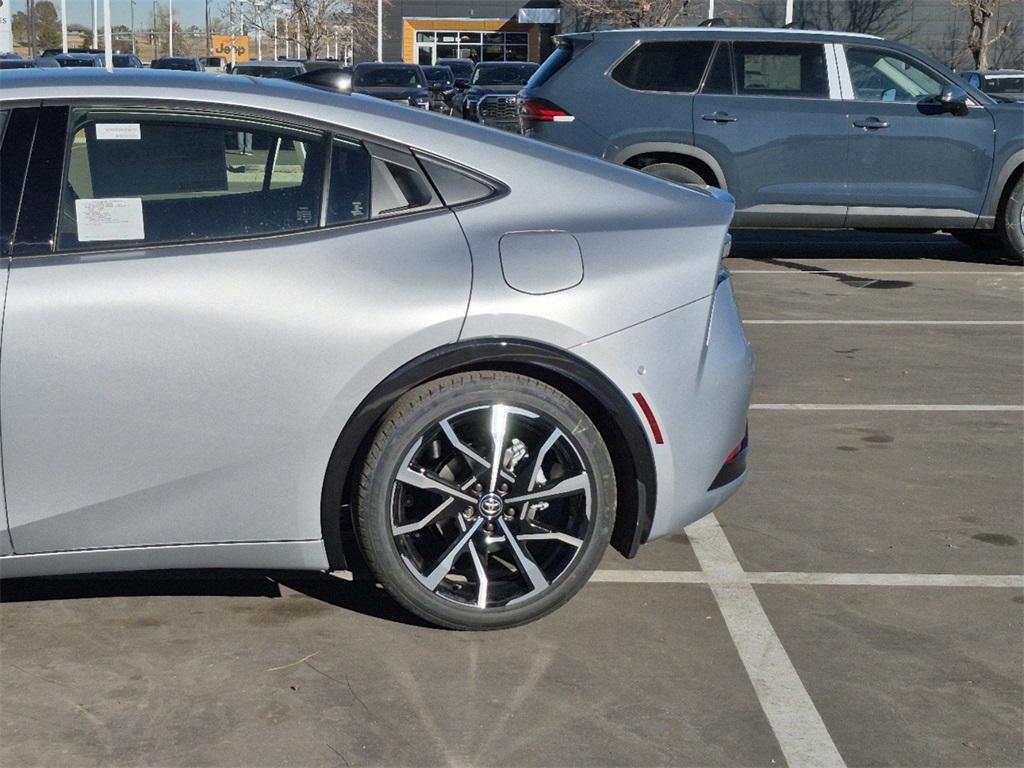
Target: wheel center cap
x=490, y=505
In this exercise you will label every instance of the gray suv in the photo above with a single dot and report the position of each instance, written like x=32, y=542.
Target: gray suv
x=804, y=129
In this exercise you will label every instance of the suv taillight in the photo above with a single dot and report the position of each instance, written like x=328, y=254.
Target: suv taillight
x=542, y=111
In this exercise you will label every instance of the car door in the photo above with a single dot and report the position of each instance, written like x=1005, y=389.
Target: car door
x=775, y=123
x=179, y=359
x=17, y=128
x=912, y=161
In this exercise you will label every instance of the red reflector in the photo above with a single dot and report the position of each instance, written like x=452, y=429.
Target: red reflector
x=542, y=111
x=655, y=429
x=734, y=454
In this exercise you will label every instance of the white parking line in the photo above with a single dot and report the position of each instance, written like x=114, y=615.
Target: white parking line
x=792, y=578
x=923, y=407
x=883, y=322
x=783, y=271
x=801, y=733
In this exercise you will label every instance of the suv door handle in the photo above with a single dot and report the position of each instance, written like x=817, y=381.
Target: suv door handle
x=870, y=123
x=719, y=117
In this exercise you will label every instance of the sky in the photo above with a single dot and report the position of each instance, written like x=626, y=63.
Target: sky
x=187, y=12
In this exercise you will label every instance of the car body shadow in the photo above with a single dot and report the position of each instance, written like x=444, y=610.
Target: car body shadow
x=360, y=595
x=762, y=244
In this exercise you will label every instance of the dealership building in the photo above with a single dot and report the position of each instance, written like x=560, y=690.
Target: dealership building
x=422, y=31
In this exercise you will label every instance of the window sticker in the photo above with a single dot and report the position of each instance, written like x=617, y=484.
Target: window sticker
x=109, y=218
x=118, y=131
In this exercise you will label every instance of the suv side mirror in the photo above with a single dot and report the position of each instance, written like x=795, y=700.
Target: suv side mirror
x=954, y=99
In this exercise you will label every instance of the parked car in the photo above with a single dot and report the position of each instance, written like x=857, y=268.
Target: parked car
x=215, y=365
x=213, y=63
x=178, y=63
x=1000, y=84
x=280, y=70
x=126, y=61
x=399, y=83
x=490, y=97
x=79, y=59
x=17, y=63
x=440, y=83
x=462, y=69
x=804, y=129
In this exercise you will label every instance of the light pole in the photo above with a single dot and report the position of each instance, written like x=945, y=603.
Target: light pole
x=789, y=11
x=95, y=41
x=64, y=25
x=380, y=30
x=170, y=27
x=108, y=37
x=711, y=9
x=208, y=46
x=132, y=4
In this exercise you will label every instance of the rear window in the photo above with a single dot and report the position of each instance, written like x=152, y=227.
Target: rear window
x=1004, y=85
x=780, y=69
x=503, y=74
x=561, y=56
x=388, y=77
x=673, y=66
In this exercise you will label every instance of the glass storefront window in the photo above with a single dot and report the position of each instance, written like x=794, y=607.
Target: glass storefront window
x=478, y=46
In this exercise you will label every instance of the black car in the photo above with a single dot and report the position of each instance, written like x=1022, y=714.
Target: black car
x=398, y=83
x=79, y=59
x=441, y=82
x=490, y=96
x=179, y=63
x=462, y=69
x=127, y=61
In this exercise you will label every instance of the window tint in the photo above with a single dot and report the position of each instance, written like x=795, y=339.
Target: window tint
x=781, y=69
x=675, y=66
x=159, y=178
x=719, y=79
x=13, y=158
x=881, y=75
x=349, y=198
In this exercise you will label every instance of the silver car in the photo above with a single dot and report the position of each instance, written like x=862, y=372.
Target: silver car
x=474, y=359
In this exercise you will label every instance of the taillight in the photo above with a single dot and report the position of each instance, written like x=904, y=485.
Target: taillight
x=543, y=111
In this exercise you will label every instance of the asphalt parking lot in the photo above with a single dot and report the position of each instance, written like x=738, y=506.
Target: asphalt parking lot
x=859, y=602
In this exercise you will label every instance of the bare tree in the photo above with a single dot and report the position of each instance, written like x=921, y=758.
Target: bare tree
x=311, y=24
x=980, y=35
x=627, y=13
x=886, y=18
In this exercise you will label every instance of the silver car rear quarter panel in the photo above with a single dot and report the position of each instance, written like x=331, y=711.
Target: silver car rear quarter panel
x=699, y=396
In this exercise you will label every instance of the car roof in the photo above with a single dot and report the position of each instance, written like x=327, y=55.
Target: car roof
x=505, y=63
x=391, y=64
x=259, y=63
x=722, y=33
x=995, y=72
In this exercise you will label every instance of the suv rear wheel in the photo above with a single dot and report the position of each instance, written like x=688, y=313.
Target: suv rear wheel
x=1011, y=225
x=487, y=500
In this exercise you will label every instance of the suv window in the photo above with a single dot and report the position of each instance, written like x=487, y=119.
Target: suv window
x=719, y=79
x=781, y=69
x=673, y=66
x=881, y=75
x=159, y=178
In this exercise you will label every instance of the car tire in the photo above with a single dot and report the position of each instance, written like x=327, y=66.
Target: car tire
x=673, y=172
x=501, y=549
x=1011, y=223
x=981, y=239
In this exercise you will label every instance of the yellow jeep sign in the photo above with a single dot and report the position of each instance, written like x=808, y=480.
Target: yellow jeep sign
x=220, y=45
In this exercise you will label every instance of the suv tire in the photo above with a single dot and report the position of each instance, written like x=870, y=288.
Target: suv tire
x=446, y=537
x=1011, y=223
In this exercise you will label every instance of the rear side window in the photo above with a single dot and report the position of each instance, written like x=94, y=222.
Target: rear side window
x=349, y=196
x=561, y=56
x=719, y=79
x=780, y=69
x=162, y=178
x=671, y=66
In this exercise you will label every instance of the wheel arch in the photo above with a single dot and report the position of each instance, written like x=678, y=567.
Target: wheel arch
x=1007, y=177
x=601, y=400
x=692, y=157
